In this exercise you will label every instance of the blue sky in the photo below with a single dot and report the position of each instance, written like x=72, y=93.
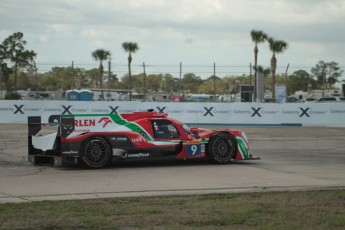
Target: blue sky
x=194, y=32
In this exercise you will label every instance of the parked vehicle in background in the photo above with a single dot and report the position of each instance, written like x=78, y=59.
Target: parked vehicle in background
x=291, y=99
x=330, y=99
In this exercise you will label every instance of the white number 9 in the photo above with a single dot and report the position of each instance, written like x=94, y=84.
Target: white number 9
x=194, y=148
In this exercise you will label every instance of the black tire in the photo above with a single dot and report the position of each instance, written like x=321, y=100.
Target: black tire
x=95, y=153
x=222, y=148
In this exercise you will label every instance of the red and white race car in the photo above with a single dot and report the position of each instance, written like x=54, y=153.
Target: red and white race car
x=95, y=140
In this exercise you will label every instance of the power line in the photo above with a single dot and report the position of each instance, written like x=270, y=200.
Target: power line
x=198, y=69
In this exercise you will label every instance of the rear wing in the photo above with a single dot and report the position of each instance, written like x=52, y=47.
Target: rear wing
x=44, y=139
x=63, y=123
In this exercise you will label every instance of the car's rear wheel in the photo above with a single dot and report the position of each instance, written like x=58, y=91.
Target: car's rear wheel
x=222, y=148
x=95, y=152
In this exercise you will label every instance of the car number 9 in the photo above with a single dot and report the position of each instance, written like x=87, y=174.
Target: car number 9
x=194, y=150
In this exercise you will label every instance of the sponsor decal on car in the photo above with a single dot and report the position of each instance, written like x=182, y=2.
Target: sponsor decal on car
x=138, y=139
x=84, y=122
x=71, y=152
x=105, y=121
x=137, y=155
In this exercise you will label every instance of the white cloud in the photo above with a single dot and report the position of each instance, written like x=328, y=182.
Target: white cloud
x=194, y=31
x=60, y=28
x=43, y=38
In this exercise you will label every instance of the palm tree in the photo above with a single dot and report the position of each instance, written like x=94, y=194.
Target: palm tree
x=257, y=37
x=101, y=55
x=265, y=72
x=130, y=47
x=276, y=46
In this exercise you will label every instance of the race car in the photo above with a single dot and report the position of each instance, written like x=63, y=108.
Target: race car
x=94, y=140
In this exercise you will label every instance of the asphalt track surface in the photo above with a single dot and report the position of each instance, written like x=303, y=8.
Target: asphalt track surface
x=292, y=158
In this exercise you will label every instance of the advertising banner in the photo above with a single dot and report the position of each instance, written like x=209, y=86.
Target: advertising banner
x=319, y=114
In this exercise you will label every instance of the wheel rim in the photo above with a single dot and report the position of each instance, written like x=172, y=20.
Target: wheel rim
x=222, y=148
x=96, y=152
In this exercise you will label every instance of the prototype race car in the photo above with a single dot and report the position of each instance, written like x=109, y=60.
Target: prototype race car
x=95, y=140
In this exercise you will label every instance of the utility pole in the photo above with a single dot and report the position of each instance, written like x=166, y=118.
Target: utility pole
x=73, y=75
x=286, y=80
x=74, y=94
x=144, y=82
x=1, y=75
x=250, y=84
x=214, y=81
x=36, y=80
x=179, y=83
x=109, y=73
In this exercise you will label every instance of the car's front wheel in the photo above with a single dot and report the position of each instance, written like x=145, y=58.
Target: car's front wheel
x=95, y=152
x=222, y=148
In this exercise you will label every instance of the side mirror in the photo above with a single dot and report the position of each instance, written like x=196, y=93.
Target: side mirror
x=194, y=130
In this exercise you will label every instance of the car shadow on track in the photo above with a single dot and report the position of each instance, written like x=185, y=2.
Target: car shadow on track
x=155, y=163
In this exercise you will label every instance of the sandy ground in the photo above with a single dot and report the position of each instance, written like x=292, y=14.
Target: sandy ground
x=292, y=158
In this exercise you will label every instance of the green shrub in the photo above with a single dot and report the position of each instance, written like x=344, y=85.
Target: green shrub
x=13, y=96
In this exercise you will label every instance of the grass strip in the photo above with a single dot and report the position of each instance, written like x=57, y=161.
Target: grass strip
x=324, y=209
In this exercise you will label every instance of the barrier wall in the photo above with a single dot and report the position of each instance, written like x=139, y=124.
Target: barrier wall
x=299, y=114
